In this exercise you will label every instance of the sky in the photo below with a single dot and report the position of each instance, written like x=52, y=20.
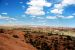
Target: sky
x=59, y=13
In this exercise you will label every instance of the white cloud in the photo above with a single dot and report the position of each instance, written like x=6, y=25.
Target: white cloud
x=42, y=21
x=6, y=18
x=66, y=17
x=40, y=17
x=13, y=18
x=36, y=7
x=4, y=13
x=65, y=3
x=51, y=17
x=57, y=11
x=68, y=2
x=32, y=10
x=33, y=16
x=60, y=16
x=69, y=17
x=60, y=6
x=39, y=3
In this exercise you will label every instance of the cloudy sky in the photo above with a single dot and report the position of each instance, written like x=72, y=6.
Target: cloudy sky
x=38, y=12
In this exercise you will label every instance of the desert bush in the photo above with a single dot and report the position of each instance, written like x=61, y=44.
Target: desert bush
x=69, y=38
x=45, y=46
x=15, y=36
x=50, y=33
x=1, y=30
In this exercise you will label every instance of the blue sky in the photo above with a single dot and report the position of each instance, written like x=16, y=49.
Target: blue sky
x=38, y=12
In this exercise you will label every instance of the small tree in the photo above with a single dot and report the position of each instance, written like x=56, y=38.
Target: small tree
x=50, y=33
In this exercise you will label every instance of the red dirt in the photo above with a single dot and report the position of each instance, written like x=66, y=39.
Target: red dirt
x=7, y=42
